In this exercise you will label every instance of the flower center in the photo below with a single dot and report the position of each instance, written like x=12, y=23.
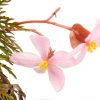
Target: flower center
x=43, y=65
x=92, y=46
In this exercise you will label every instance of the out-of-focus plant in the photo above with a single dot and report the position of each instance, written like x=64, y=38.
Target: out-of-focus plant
x=8, y=45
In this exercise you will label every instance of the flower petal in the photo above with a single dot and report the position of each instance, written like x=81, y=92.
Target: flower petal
x=77, y=49
x=73, y=40
x=25, y=59
x=62, y=59
x=98, y=42
x=94, y=34
x=38, y=70
x=56, y=77
x=81, y=55
x=42, y=44
x=79, y=52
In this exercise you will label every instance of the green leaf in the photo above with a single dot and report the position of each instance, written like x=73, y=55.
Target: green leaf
x=8, y=45
x=4, y=2
x=3, y=57
x=9, y=70
x=4, y=50
x=18, y=90
x=6, y=96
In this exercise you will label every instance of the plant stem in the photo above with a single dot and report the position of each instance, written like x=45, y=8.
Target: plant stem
x=47, y=21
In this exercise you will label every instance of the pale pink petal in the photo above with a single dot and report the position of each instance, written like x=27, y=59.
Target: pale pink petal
x=81, y=55
x=98, y=42
x=62, y=59
x=73, y=40
x=94, y=34
x=42, y=44
x=78, y=49
x=25, y=59
x=79, y=52
x=38, y=70
x=56, y=77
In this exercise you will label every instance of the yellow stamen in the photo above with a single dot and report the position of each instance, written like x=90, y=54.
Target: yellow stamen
x=43, y=65
x=92, y=46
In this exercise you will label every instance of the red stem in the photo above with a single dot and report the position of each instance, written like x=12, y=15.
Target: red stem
x=45, y=21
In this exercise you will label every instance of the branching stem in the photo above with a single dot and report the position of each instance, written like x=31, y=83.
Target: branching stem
x=47, y=21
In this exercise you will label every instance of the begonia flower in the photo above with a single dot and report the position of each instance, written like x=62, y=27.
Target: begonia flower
x=90, y=43
x=48, y=60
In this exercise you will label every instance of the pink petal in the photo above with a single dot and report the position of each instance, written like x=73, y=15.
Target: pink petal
x=79, y=53
x=42, y=44
x=38, y=70
x=73, y=40
x=94, y=34
x=62, y=59
x=25, y=59
x=78, y=48
x=98, y=42
x=56, y=77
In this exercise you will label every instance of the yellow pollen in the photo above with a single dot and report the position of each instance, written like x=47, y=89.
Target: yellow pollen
x=92, y=46
x=43, y=65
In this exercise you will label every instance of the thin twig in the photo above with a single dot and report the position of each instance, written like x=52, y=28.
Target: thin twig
x=53, y=14
x=47, y=21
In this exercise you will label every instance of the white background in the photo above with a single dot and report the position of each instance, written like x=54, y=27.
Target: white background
x=83, y=80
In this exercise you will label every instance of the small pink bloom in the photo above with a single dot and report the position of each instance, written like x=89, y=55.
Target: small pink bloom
x=48, y=60
x=91, y=42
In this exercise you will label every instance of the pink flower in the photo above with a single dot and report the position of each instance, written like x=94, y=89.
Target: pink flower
x=48, y=61
x=91, y=42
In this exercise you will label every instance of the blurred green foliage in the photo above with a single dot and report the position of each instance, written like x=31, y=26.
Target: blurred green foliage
x=8, y=45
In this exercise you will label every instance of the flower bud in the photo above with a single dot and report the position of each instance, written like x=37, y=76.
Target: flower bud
x=78, y=35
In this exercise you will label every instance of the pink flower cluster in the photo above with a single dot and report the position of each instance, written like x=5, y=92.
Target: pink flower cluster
x=53, y=62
